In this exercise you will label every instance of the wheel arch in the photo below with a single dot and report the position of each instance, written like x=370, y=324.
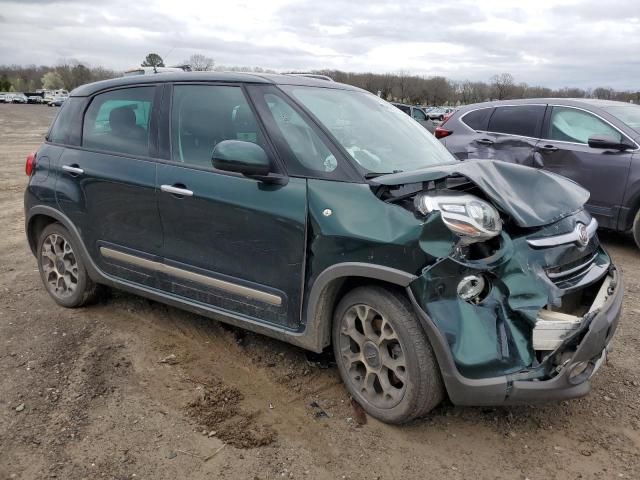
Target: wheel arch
x=332, y=283
x=35, y=225
x=39, y=216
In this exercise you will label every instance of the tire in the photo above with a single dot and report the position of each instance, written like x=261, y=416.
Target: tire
x=371, y=317
x=62, y=268
x=635, y=230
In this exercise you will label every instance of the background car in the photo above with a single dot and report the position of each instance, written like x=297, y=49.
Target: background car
x=2, y=97
x=418, y=114
x=57, y=101
x=34, y=99
x=19, y=98
x=593, y=142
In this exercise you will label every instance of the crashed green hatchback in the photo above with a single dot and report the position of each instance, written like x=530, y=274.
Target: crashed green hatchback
x=321, y=215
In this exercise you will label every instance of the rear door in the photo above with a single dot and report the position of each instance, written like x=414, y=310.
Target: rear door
x=465, y=128
x=512, y=134
x=564, y=150
x=230, y=242
x=107, y=185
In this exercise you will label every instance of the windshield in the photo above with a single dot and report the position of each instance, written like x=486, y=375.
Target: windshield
x=628, y=114
x=378, y=136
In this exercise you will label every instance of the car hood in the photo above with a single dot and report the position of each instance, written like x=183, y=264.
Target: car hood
x=532, y=197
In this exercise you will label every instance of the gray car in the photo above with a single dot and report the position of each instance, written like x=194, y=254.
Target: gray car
x=593, y=142
x=418, y=114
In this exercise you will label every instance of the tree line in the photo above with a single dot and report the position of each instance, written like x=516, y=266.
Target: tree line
x=437, y=90
x=400, y=86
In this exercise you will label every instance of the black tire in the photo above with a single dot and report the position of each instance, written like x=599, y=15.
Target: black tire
x=81, y=290
x=635, y=230
x=419, y=389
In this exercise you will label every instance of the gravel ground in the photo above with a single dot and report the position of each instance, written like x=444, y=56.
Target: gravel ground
x=130, y=388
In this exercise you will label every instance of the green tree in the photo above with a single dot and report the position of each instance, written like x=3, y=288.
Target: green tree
x=52, y=81
x=153, y=60
x=5, y=84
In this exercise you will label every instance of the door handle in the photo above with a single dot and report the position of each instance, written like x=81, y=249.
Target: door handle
x=73, y=169
x=548, y=148
x=177, y=189
x=484, y=141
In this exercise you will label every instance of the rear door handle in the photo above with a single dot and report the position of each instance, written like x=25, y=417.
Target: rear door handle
x=177, y=189
x=548, y=148
x=73, y=169
x=484, y=141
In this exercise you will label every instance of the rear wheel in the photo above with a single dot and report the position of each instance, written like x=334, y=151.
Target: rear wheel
x=62, y=270
x=384, y=357
x=635, y=230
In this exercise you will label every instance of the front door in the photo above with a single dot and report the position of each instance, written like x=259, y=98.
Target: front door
x=107, y=187
x=230, y=242
x=564, y=150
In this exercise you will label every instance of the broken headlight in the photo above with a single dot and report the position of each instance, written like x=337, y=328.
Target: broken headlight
x=468, y=216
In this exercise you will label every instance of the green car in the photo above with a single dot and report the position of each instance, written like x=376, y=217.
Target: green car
x=319, y=214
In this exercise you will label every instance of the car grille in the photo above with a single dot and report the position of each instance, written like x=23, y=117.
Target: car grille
x=568, y=273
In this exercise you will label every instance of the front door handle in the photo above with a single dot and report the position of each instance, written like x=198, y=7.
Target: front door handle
x=177, y=189
x=484, y=141
x=73, y=169
x=548, y=148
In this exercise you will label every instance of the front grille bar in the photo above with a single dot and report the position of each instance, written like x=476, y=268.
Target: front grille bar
x=571, y=237
x=569, y=271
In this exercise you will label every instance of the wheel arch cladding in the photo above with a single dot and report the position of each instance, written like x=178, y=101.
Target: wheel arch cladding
x=37, y=223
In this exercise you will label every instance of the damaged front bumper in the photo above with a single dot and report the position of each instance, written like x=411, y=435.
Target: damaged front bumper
x=569, y=379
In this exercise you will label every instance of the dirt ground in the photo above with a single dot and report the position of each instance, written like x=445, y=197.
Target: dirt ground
x=130, y=388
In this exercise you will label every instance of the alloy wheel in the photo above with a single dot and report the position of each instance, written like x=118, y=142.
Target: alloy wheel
x=372, y=356
x=59, y=266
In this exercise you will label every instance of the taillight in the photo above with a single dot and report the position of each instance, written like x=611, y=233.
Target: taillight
x=30, y=166
x=442, y=132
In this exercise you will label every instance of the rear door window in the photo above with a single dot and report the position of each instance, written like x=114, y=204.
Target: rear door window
x=522, y=120
x=573, y=125
x=118, y=121
x=404, y=108
x=478, y=119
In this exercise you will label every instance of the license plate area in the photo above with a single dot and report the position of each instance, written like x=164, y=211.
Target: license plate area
x=553, y=327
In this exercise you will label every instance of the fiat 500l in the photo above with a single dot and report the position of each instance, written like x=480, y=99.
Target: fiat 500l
x=321, y=215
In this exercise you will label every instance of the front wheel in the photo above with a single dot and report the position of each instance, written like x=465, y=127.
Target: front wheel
x=384, y=357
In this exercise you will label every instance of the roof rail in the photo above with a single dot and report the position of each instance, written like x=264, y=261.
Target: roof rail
x=312, y=75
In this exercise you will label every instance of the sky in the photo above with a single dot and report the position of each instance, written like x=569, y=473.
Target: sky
x=579, y=43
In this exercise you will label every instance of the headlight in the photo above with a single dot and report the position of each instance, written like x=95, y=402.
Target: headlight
x=468, y=216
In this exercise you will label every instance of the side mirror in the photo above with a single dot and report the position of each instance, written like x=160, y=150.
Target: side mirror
x=609, y=142
x=246, y=158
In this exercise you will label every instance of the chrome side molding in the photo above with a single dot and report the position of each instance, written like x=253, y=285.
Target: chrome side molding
x=224, y=285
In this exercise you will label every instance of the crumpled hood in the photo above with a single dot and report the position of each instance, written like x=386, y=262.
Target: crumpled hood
x=530, y=196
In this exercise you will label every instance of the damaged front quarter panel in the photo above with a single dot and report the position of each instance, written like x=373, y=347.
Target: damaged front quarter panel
x=491, y=336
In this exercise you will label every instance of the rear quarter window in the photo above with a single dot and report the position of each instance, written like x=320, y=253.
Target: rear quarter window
x=523, y=120
x=65, y=129
x=478, y=119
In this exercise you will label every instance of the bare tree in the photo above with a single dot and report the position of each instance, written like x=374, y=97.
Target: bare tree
x=200, y=63
x=503, y=85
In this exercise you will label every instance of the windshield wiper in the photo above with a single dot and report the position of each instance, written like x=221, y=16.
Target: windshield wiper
x=371, y=175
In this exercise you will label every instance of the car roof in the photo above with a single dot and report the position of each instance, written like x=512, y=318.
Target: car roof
x=573, y=102
x=231, y=77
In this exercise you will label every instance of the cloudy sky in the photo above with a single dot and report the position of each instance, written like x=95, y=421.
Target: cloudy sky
x=584, y=43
